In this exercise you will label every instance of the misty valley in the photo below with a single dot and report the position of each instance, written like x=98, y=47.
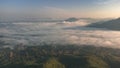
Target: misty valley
x=71, y=43
x=59, y=33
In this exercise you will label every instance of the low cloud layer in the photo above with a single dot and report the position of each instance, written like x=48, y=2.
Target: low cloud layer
x=54, y=33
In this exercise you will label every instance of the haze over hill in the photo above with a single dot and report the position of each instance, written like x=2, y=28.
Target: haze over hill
x=111, y=24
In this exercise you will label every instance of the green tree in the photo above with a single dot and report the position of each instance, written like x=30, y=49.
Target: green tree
x=53, y=63
x=96, y=62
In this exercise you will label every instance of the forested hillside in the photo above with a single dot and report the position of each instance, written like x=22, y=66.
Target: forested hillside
x=69, y=56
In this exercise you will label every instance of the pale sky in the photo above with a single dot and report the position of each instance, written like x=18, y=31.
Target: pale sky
x=59, y=8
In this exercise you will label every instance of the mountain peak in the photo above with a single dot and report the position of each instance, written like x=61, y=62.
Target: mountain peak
x=118, y=18
x=72, y=19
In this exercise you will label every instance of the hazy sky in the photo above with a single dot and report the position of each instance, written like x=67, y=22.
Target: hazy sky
x=59, y=8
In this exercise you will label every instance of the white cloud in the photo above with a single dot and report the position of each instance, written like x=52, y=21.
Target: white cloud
x=54, y=33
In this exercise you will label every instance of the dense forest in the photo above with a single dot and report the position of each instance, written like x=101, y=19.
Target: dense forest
x=59, y=56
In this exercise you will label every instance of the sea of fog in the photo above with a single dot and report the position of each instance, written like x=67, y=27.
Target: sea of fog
x=39, y=33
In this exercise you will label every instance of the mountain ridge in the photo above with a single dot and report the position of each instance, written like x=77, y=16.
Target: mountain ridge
x=113, y=24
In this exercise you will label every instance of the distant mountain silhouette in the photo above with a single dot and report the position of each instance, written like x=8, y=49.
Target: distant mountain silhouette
x=72, y=19
x=111, y=24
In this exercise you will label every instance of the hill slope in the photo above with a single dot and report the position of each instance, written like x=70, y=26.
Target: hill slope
x=69, y=56
x=111, y=24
